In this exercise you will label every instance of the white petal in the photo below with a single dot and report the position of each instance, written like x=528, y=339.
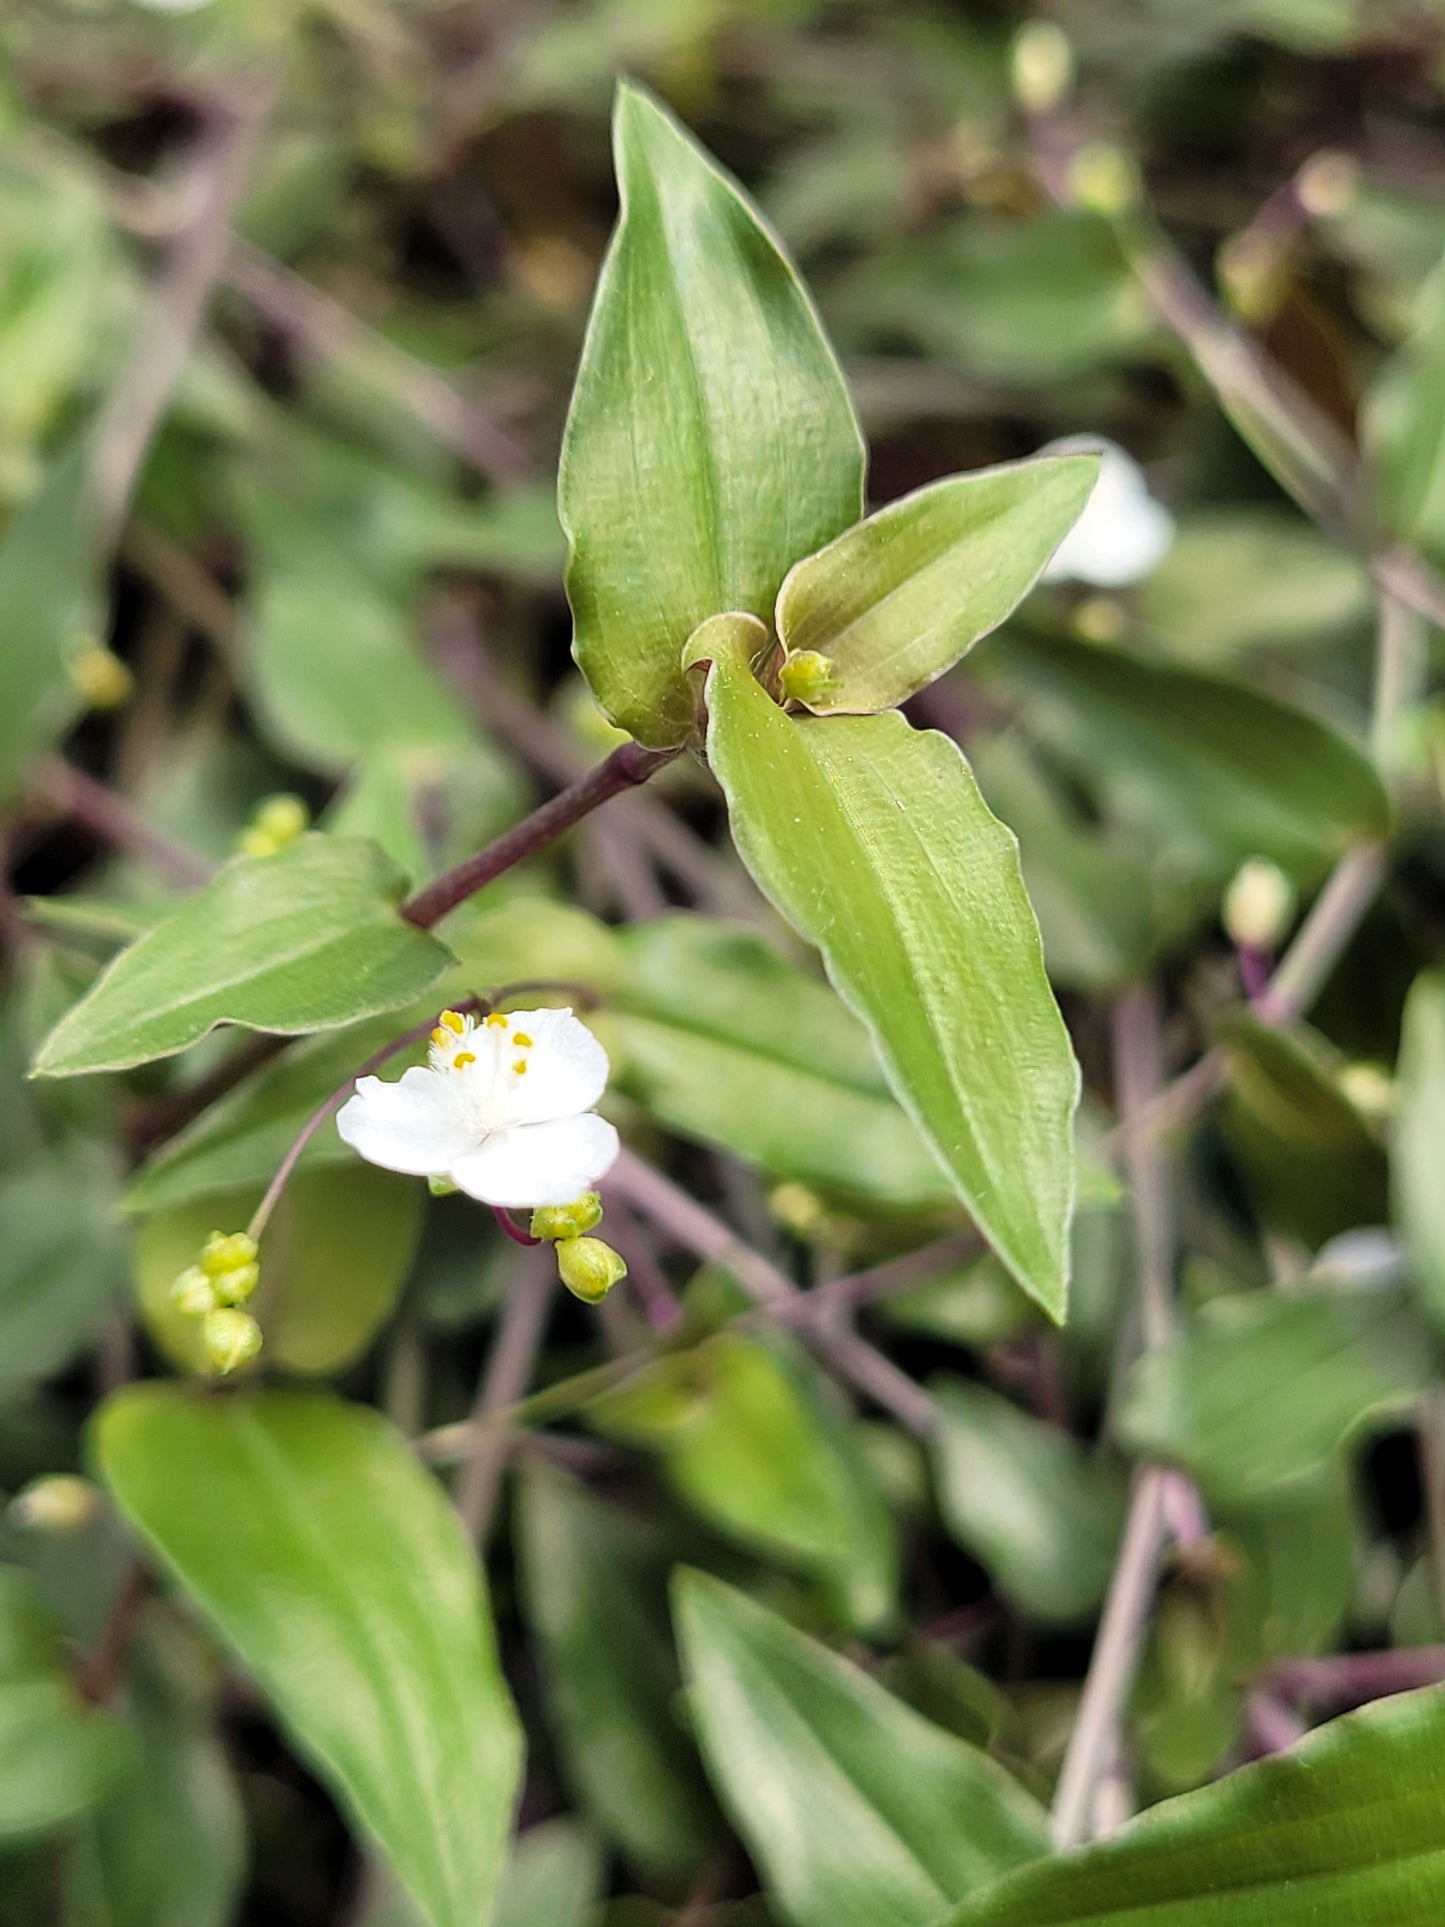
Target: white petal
x=531, y=1164
x=1122, y=534
x=413, y=1125
x=566, y=1068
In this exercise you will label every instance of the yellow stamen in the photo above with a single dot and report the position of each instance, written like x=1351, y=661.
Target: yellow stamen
x=520, y=1065
x=463, y=1057
x=496, y=1020
x=522, y=1040
x=439, y=1037
x=453, y=1021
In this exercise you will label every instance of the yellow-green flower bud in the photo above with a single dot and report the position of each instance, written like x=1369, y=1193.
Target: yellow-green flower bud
x=806, y=676
x=59, y=1503
x=567, y=1220
x=1258, y=905
x=1041, y=69
x=1103, y=179
x=193, y=1293
x=228, y=1260
x=798, y=1209
x=441, y=1187
x=1370, y=1088
x=231, y=1338
x=277, y=824
x=100, y=679
x=588, y=1268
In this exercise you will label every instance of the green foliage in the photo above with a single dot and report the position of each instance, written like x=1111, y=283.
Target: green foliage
x=1415, y=1148
x=711, y=442
x=1346, y=1826
x=332, y=1565
x=307, y=940
x=927, y=935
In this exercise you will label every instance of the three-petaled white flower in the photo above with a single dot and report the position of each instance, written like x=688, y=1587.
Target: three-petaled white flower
x=502, y=1108
x=1122, y=533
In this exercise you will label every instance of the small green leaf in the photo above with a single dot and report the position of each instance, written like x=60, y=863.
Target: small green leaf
x=1198, y=757
x=898, y=599
x=333, y=1263
x=333, y=1566
x=723, y=1041
x=1346, y=1826
x=307, y=940
x=875, y=843
x=710, y=442
x=1039, y=1514
x=594, y=1590
x=1418, y=1146
x=554, y=1877
x=49, y=607
x=56, y=1755
x=1266, y=1386
x=859, y=1812
x=750, y=1443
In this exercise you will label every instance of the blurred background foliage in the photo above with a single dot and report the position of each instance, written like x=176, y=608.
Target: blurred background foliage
x=338, y=577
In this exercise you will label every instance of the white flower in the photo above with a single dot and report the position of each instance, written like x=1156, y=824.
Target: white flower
x=503, y=1108
x=1122, y=534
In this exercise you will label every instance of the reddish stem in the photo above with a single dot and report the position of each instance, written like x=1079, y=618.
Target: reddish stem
x=513, y=1230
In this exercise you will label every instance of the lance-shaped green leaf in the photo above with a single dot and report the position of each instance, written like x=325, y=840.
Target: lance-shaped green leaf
x=711, y=441
x=48, y=607
x=898, y=599
x=858, y=1811
x=333, y=1565
x=873, y=840
x=1417, y=1173
x=1265, y=1387
x=307, y=940
x=1199, y=757
x=1347, y=1826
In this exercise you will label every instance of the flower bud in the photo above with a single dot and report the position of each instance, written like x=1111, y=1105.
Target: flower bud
x=278, y=821
x=1328, y=184
x=101, y=679
x=806, y=676
x=567, y=1220
x=58, y=1503
x=193, y=1293
x=231, y=1338
x=1041, y=68
x=1258, y=905
x=1103, y=179
x=588, y=1268
x=1370, y=1088
x=228, y=1260
x=798, y=1209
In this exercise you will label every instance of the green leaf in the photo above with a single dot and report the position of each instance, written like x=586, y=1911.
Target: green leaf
x=898, y=599
x=57, y=1756
x=1416, y=1148
x=751, y=1443
x=554, y=1877
x=1314, y=1164
x=1200, y=757
x=1266, y=1386
x=1039, y=1513
x=333, y=1263
x=1346, y=1826
x=710, y=442
x=307, y=940
x=595, y=1595
x=332, y=1564
x=723, y=1041
x=859, y=1812
x=168, y=1847
x=873, y=840
x=1404, y=425
x=49, y=608
x=62, y=1260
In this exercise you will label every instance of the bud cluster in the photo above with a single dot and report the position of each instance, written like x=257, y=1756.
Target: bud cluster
x=278, y=822
x=213, y=1290
x=588, y=1267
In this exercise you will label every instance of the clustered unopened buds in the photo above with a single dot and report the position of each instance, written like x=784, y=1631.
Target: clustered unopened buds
x=278, y=822
x=213, y=1290
x=588, y=1267
x=807, y=677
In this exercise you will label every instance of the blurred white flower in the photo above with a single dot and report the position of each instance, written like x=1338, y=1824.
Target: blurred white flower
x=502, y=1109
x=1122, y=534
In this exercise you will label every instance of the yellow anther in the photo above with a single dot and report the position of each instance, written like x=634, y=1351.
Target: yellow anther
x=519, y=1065
x=522, y=1040
x=439, y=1036
x=496, y=1021
x=463, y=1057
x=453, y=1021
